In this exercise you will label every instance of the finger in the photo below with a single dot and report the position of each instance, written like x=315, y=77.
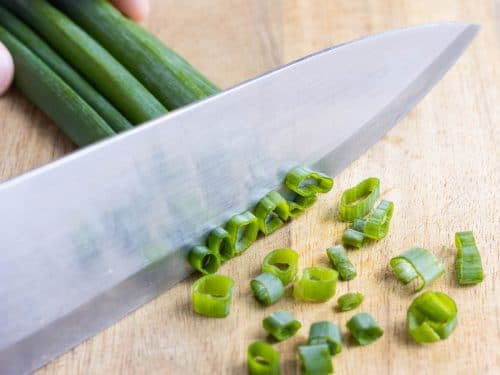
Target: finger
x=6, y=69
x=135, y=9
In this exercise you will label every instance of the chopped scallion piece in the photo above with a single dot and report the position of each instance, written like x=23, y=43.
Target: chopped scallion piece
x=432, y=316
x=284, y=263
x=272, y=211
x=281, y=325
x=340, y=261
x=315, y=359
x=212, y=295
x=298, y=206
x=468, y=266
x=267, y=288
x=349, y=301
x=376, y=225
x=219, y=242
x=417, y=263
x=364, y=328
x=353, y=238
x=358, y=201
x=326, y=333
x=263, y=359
x=243, y=230
x=317, y=284
x=204, y=260
x=306, y=183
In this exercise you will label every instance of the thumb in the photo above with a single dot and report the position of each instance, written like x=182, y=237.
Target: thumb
x=135, y=9
x=6, y=69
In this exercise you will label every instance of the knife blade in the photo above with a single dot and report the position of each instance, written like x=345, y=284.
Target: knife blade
x=94, y=235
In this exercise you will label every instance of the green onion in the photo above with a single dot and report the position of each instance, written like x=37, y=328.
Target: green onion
x=417, y=263
x=204, y=260
x=326, y=333
x=306, y=183
x=353, y=238
x=212, y=295
x=364, y=328
x=432, y=316
x=317, y=284
x=468, y=266
x=299, y=204
x=376, y=225
x=315, y=359
x=284, y=263
x=272, y=211
x=267, y=288
x=349, y=301
x=219, y=242
x=340, y=261
x=243, y=230
x=263, y=359
x=358, y=201
x=281, y=325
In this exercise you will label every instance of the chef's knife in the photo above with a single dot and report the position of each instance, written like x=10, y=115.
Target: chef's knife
x=90, y=237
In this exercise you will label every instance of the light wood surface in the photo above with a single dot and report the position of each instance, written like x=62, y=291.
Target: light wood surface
x=440, y=166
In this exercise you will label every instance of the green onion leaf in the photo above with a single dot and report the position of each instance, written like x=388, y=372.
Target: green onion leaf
x=317, y=284
x=326, y=333
x=212, y=295
x=376, y=225
x=315, y=359
x=307, y=183
x=219, y=242
x=349, y=301
x=417, y=263
x=283, y=263
x=340, y=261
x=431, y=317
x=353, y=238
x=204, y=260
x=243, y=230
x=281, y=325
x=364, y=328
x=468, y=266
x=299, y=204
x=272, y=211
x=263, y=359
x=267, y=288
x=358, y=201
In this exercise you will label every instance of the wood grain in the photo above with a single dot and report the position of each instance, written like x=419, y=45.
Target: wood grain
x=440, y=166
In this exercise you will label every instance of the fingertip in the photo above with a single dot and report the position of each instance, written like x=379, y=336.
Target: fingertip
x=6, y=69
x=137, y=10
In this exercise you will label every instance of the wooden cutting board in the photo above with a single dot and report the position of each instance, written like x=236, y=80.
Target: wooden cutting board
x=440, y=166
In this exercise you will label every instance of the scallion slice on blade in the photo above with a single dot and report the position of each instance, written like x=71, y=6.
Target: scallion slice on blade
x=219, y=242
x=315, y=359
x=417, y=263
x=364, y=328
x=243, y=230
x=340, y=261
x=272, y=211
x=353, y=238
x=281, y=325
x=306, y=182
x=376, y=225
x=283, y=263
x=431, y=317
x=349, y=301
x=298, y=206
x=212, y=295
x=263, y=359
x=325, y=332
x=267, y=288
x=204, y=260
x=468, y=266
x=358, y=201
x=317, y=284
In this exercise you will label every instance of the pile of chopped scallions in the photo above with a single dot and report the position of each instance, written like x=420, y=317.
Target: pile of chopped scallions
x=431, y=317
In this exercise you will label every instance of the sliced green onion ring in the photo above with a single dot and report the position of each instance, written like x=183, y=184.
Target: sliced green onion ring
x=326, y=332
x=204, y=260
x=263, y=359
x=267, y=288
x=219, y=242
x=306, y=182
x=300, y=204
x=431, y=317
x=468, y=265
x=364, y=328
x=284, y=263
x=349, y=301
x=243, y=230
x=272, y=211
x=340, y=261
x=318, y=284
x=358, y=201
x=212, y=295
x=417, y=263
x=315, y=359
x=281, y=325
x=376, y=225
x=353, y=238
